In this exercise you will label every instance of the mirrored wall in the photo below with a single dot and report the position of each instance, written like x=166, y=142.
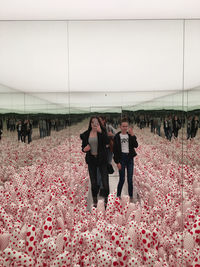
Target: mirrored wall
x=57, y=74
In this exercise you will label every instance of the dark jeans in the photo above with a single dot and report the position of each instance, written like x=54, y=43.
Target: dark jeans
x=110, y=156
x=43, y=133
x=158, y=130
x=188, y=133
x=29, y=137
x=194, y=132
x=23, y=138
x=19, y=134
x=176, y=133
x=168, y=133
x=92, y=167
x=128, y=163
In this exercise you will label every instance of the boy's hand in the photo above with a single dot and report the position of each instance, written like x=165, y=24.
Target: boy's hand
x=130, y=131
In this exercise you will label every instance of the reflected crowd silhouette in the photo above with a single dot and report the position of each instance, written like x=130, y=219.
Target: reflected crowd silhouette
x=167, y=126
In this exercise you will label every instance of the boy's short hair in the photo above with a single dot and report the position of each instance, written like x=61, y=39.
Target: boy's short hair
x=124, y=120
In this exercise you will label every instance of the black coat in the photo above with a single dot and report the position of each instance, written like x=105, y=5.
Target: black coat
x=176, y=126
x=194, y=124
x=103, y=140
x=24, y=130
x=117, y=149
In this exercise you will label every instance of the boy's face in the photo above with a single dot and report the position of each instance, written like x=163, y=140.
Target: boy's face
x=124, y=127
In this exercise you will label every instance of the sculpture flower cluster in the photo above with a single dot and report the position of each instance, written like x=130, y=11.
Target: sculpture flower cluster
x=44, y=220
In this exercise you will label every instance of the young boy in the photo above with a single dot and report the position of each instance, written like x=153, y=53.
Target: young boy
x=125, y=143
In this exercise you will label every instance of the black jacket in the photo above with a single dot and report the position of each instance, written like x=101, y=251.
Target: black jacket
x=103, y=140
x=25, y=130
x=176, y=126
x=194, y=125
x=117, y=150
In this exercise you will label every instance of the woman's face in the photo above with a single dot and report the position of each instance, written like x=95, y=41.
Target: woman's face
x=94, y=123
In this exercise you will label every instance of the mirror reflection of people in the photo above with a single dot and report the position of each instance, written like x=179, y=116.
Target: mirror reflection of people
x=189, y=127
x=19, y=131
x=1, y=127
x=125, y=143
x=26, y=130
x=176, y=124
x=94, y=142
x=110, y=131
x=170, y=128
x=152, y=125
x=12, y=124
x=195, y=126
x=23, y=132
x=166, y=128
x=29, y=130
x=1, y=124
x=42, y=127
x=158, y=125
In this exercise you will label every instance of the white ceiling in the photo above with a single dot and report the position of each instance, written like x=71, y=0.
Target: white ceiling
x=114, y=46
x=98, y=9
x=108, y=56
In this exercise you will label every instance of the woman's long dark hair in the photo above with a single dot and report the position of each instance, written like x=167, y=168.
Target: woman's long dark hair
x=90, y=122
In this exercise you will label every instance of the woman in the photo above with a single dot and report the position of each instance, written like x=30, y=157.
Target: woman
x=110, y=131
x=94, y=142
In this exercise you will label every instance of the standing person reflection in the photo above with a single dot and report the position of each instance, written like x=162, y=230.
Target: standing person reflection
x=19, y=131
x=125, y=143
x=94, y=142
x=189, y=127
x=194, y=126
x=110, y=131
x=176, y=124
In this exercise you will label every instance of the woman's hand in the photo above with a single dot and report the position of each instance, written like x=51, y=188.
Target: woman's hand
x=119, y=166
x=110, y=134
x=86, y=148
x=99, y=129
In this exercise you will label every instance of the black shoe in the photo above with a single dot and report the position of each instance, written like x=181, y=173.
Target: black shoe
x=95, y=202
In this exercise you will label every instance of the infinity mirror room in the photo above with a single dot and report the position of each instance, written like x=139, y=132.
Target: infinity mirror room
x=100, y=143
